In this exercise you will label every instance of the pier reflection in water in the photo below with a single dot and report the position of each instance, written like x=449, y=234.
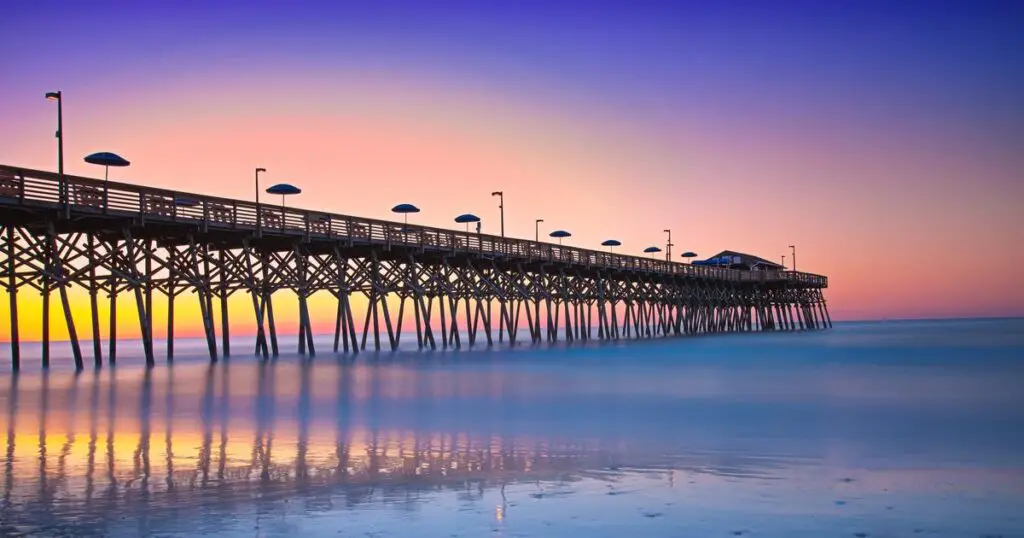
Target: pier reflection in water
x=547, y=442
x=90, y=449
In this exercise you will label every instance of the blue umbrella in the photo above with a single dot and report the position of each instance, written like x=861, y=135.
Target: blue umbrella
x=284, y=189
x=560, y=234
x=689, y=254
x=611, y=244
x=466, y=218
x=405, y=209
x=652, y=250
x=106, y=160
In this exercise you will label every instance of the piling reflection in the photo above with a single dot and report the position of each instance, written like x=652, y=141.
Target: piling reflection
x=96, y=447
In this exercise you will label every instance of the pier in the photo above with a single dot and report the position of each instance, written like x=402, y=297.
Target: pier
x=120, y=241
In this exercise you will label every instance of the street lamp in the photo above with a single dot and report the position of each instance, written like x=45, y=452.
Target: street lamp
x=536, y=230
x=501, y=206
x=794, y=256
x=61, y=188
x=783, y=262
x=668, y=246
x=259, y=214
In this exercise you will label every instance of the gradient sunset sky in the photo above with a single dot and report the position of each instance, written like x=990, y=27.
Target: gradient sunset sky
x=884, y=139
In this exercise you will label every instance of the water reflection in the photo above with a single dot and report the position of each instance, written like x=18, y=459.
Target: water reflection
x=217, y=444
x=224, y=454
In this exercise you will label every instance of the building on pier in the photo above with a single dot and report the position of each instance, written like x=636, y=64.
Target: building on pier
x=744, y=262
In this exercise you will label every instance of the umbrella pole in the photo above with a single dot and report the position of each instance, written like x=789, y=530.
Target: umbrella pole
x=106, y=173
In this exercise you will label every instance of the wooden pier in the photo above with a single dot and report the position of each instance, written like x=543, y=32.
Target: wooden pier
x=121, y=241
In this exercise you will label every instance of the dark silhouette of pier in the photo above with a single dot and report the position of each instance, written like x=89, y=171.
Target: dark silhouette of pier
x=115, y=240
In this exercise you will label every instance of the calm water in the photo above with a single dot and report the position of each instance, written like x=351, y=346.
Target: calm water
x=885, y=429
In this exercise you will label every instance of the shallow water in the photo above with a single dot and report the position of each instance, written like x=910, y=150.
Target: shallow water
x=875, y=429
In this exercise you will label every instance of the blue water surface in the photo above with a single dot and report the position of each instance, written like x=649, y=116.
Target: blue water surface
x=868, y=429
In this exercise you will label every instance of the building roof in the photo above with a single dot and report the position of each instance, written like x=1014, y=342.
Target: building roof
x=747, y=259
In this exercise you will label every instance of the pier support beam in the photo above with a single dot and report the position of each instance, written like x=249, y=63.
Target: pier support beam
x=11, y=251
x=575, y=299
x=57, y=265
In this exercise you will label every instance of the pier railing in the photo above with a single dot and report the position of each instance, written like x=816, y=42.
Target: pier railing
x=87, y=196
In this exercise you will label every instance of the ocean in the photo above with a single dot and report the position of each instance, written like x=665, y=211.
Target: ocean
x=910, y=428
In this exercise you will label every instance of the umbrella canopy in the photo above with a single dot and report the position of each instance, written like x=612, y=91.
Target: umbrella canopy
x=283, y=189
x=105, y=158
x=611, y=243
x=560, y=234
x=650, y=250
x=466, y=218
x=689, y=254
x=405, y=208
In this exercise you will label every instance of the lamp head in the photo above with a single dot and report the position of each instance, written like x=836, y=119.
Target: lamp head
x=540, y=220
x=53, y=96
x=258, y=170
x=497, y=193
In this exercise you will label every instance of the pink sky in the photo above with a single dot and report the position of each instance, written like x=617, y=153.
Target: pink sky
x=910, y=212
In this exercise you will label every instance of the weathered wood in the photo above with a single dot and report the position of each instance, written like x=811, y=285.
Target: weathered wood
x=94, y=313
x=202, y=293
x=112, y=315
x=12, y=291
x=337, y=325
x=58, y=269
x=225, y=333
x=46, y=308
x=171, y=294
x=633, y=297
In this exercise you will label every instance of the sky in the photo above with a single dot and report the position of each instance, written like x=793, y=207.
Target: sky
x=884, y=139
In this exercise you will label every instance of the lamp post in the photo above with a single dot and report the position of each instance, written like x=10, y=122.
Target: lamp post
x=783, y=262
x=501, y=206
x=794, y=256
x=61, y=187
x=536, y=230
x=668, y=246
x=259, y=213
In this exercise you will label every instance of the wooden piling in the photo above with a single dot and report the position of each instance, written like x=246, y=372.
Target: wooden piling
x=94, y=313
x=58, y=271
x=12, y=291
x=46, y=306
x=225, y=333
